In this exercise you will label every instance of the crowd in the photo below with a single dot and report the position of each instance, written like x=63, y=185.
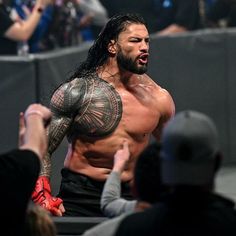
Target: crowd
x=29, y=26
x=57, y=24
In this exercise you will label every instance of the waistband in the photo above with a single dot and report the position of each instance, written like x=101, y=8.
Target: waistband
x=78, y=178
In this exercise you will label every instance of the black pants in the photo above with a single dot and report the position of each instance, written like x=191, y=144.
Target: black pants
x=81, y=194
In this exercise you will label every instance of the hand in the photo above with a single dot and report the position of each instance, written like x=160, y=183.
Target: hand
x=121, y=157
x=32, y=132
x=40, y=110
x=42, y=196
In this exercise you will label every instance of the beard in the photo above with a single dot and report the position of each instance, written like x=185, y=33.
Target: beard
x=128, y=64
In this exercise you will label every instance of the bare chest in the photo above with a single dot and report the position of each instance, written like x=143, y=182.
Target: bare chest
x=103, y=109
x=140, y=112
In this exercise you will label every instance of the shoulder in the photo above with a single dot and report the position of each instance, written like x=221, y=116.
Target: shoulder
x=67, y=95
x=164, y=99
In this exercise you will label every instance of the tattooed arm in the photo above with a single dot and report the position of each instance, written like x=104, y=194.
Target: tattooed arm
x=64, y=102
x=57, y=130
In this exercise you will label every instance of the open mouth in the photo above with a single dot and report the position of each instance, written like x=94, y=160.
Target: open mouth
x=143, y=59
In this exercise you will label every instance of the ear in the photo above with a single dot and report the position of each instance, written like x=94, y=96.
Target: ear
x=112, y=47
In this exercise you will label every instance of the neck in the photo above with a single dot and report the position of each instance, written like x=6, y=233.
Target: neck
x=112, y=74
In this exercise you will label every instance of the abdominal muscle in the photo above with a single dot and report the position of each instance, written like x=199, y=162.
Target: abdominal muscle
x=94, y=158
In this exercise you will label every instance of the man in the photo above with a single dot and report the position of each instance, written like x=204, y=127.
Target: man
x=19, y=169
x=108, y=100
x=190, y=157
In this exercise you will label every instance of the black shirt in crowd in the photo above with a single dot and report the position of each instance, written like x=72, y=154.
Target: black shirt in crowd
x=7, y=46
x=19, y=170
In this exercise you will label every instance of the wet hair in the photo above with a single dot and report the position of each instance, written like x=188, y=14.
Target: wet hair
x=147, y=177
x=98, y=53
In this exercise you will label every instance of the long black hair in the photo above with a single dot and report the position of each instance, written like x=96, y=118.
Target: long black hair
x=98, y=53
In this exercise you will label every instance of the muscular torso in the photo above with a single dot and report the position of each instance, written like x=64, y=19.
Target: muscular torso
x=103, y=117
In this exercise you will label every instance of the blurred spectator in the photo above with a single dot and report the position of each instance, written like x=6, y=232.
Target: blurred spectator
x=147, y=170
x=95, y=15
x=222, y=13
x=146, y=8
x=111, y=202
x=176, y=16
x=19, y=169
x=23, y=9
x=190, y=157
x=76, y=21
x=64, y=29
x=165, y=16
x=13, y=30
x=39, y=222
x=162, y=16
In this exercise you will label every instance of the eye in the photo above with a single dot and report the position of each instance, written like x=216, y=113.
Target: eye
x=135, y=40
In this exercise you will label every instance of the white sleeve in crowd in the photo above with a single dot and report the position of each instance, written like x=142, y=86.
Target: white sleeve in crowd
x=94, y=7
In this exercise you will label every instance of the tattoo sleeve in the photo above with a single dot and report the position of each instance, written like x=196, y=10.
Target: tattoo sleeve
x=62, y=109
x=57, y=131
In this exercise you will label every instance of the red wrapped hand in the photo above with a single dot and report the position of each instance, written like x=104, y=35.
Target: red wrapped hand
x=42, y=196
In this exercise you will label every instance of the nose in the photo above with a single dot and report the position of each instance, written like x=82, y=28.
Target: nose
x=144, y=46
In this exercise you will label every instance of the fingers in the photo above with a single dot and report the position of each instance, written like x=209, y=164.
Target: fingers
x=61, y=208
x=55, y=211
x=58, y=211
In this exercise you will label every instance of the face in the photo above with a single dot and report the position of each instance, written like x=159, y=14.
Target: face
x=132, y=49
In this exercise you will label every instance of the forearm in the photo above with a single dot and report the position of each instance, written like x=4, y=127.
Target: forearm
x=29, y=25
x=111, y=202
x=22, y=30
x=46, y=168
